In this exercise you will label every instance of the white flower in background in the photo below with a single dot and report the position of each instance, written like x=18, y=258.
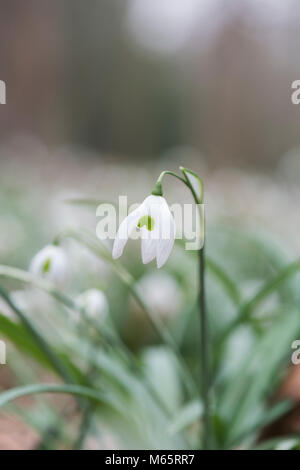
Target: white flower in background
x=154, y=220
x=94, y=303
x=51, y=263
x=162, y=292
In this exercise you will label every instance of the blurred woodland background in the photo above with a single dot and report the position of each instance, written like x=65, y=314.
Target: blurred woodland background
x=132, y=79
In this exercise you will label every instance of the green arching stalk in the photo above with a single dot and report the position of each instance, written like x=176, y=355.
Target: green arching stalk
x=94, y=395
x=157, y=191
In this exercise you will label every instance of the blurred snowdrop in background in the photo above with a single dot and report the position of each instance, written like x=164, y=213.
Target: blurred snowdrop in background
x=51, y=263
x=94, y=304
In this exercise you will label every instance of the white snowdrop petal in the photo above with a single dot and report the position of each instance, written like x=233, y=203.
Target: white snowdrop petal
x=163, y=251
x=167, y=235
x=153, y=206
x=152, y=201
x=125, y=230
x=148, y=249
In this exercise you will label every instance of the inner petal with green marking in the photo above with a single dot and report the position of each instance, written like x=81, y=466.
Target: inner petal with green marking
x=146, y=221
x=46, y=266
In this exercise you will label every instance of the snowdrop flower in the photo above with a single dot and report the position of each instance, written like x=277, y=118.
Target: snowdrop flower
x=156, y=224
x=51, y=263
x=94, y=303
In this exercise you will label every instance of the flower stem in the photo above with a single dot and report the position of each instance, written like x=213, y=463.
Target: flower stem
x=157, y=191
x=204, y=334
x=205, y=382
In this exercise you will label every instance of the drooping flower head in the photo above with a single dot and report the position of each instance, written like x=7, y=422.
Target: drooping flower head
x=51, y=263
x=155, y=222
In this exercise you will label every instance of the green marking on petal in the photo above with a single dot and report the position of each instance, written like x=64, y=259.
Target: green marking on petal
x=46, y=266
x=146, y=221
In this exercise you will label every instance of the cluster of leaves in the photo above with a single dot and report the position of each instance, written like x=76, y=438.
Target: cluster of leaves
x=147, y=395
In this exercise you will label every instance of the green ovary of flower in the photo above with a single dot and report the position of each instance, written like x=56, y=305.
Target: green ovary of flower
x=146, y=221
